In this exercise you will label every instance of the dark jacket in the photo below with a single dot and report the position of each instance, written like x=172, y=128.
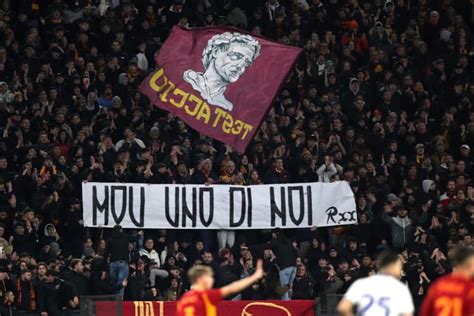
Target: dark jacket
x=57, y=296
x=272, y=288
x=250, y=294
x=303, y=288
x=284, y=251
x=23, y=296
x=118, y=246
x=79, y=282
x=8, y=310
x=402, y=230
x=103, y=286
x=137, y=283
x=25, y=242
x=5, y=286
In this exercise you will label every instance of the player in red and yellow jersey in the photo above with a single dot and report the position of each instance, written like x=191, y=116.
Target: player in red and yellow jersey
x=201, y=300
x=453, y=294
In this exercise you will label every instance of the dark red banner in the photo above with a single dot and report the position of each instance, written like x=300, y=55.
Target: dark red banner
x=219, y=80
x=227, y=308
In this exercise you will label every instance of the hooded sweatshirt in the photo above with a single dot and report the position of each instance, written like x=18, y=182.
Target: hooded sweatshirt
x=427, y=185
x=47, y=238
x=402, y=230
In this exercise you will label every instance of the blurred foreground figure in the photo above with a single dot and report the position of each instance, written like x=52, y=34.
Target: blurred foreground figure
x=201, y=300
x=380, y=294
x=453, y=294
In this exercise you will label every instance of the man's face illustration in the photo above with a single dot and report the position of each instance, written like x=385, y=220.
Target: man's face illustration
x=231, y=63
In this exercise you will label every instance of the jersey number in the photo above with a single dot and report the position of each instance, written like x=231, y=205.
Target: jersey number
x=381, y=302
x=449, y=306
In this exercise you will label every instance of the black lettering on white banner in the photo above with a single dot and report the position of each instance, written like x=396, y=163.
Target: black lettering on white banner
x=189, y=216
x=174, y=222
x=210, y=205
x=126, y=204
x=309, y=198
x=121, y=188
x=274, y=210
x=97, y=206
x=245, y=208
x=292, y=211
x=141, y=218
x=218, y=206
x=296, y=216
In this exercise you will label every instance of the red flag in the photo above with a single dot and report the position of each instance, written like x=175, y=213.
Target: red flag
x=219, y=80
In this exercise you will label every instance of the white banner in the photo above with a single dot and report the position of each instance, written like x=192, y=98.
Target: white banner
x=295, y=205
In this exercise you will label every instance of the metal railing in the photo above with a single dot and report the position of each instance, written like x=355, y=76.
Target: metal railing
x=326, y=305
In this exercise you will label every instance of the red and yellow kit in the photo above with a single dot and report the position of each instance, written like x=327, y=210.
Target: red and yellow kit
x=450, y=295
x=199, y=303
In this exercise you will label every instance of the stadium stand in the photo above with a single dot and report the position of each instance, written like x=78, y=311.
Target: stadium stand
x=381, y=97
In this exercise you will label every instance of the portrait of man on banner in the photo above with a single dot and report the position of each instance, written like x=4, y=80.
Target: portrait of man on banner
x=225, y=58
x=219, y=80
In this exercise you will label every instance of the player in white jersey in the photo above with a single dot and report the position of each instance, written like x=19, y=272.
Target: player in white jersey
x=379, y=295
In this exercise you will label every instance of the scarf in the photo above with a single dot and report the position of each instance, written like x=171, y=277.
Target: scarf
x=32, y=295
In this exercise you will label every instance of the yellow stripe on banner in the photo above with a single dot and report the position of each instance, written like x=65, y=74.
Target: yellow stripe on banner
x=141, y=309
x=149, y=310
x=135, y=304
x=210, y=308
x=162, y=308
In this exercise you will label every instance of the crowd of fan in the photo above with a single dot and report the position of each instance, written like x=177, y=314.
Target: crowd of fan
x=382, y=97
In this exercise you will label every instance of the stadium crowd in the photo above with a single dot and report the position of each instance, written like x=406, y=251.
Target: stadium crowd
x=382, y=97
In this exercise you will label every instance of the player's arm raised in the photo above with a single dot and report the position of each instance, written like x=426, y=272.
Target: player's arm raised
x=240, y=285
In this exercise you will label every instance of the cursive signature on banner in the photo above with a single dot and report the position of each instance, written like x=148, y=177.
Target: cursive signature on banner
x=334, y=216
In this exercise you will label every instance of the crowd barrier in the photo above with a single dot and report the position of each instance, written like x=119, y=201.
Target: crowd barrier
x=227, y=308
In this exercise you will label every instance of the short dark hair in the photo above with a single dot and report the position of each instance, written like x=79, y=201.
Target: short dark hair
x=42, y=264
x=386, y=258
x=460, y=255
x=198, y=271
x=74, y=263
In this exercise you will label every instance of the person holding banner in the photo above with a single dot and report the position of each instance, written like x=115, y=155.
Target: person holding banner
x=201, y=300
